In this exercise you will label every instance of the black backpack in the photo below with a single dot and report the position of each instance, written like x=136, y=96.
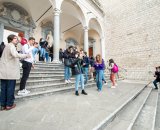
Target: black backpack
x=2, y=46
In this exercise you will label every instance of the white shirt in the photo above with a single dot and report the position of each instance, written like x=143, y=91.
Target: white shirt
x=27, y=49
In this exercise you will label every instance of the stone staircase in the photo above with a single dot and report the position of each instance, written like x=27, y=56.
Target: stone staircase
x=48, y=79
x=139, y=112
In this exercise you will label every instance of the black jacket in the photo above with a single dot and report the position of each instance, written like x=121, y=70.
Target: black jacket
x=77, y=66
x=86, y=61
x=67, y=57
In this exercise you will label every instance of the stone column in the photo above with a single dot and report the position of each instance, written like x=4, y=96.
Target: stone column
x=103, y=47
x=86, y=39
x=94, y=48
x=56, y=35
x=1, y=32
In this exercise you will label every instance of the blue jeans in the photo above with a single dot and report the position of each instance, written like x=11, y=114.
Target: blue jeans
x=47, y=56
x=99, y=78
x=34, y=52
x=79, y=78
x=155, y=83
x=67, y=72
x=103, y=77
x=42, y=52
x=85, y=74
x=7, y=92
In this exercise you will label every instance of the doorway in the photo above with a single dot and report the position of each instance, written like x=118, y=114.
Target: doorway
x=90, y=51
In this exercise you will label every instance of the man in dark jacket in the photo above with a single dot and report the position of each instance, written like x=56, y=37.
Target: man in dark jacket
x=68, y=55
x=157, y=75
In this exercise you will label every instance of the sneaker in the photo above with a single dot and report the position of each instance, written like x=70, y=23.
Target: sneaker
x=113, y=87
x=23, y=92
x=10, y=107
x=76, y=93
x=66, y=82
x=83, y=92
x=27, y=91
x=116, y=84
x=69, y=81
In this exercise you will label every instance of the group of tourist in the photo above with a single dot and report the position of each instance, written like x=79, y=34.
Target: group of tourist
x=80, y=65
x=74, y=61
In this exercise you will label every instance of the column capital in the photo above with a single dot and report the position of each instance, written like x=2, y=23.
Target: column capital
x=57, y=11
x=85, y=28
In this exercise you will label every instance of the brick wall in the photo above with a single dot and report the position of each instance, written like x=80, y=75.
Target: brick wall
x=133, y=36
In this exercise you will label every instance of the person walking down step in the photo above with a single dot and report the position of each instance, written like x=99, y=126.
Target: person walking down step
x=99, y=68
x=113, y=70
x=157, y=75
x=77, y=70
x=26, y=65
x=9, y=72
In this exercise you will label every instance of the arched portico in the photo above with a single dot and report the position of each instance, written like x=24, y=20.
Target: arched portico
x=95, y=25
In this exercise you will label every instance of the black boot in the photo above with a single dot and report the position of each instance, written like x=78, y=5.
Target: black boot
x=83, y=92
x=76, y=93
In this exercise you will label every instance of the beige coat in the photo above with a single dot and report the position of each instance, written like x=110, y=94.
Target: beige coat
x=9, y=62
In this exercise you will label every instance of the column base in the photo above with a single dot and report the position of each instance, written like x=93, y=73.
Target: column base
x=56, y=61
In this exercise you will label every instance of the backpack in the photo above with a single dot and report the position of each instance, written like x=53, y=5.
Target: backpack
x=2, y=46
x=115, y=69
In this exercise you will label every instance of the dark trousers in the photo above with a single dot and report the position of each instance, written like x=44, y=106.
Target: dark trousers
x=26, y=70
x=7, y=92
x=155, y=83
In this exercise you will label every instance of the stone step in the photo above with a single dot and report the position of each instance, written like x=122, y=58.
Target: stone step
x=112, y=120
x=43, y=82
x=157, y=124
x=37, y=94
x=45, y=73
x=45, y=77
x=49, y=65
x=47, y=89
x=45, y=70
x=50, y=75
x=147, y=116
x=127, y=116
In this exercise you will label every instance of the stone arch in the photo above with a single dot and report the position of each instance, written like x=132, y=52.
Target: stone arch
x=80, y=15
x=95, y=24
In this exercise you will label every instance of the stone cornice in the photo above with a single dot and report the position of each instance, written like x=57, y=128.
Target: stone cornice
x=97, y=5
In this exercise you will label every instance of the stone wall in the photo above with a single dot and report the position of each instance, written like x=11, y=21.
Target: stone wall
x=133, y=36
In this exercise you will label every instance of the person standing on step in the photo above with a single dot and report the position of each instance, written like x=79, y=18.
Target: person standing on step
x=157, y=75
x=9, y=72
x=86, y=63
x=26, y=65
x=67, y=55
x=99, y=68
x=77, y=70
x=113, y=70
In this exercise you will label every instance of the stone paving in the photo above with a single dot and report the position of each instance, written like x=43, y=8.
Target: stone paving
x=67, y=111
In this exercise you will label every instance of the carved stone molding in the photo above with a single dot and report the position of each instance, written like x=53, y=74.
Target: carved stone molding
x=16, y=15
